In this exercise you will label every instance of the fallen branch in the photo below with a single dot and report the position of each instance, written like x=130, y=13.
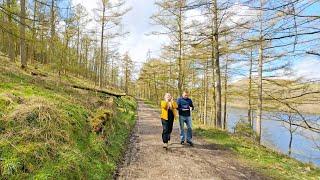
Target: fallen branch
x=33, y=73
x=100, y=91
x=313, y=53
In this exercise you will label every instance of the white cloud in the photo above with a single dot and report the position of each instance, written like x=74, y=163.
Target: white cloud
x=194, y=15
x=90, y=7
x=240, y=13
x=308, y=68
x=137, y=23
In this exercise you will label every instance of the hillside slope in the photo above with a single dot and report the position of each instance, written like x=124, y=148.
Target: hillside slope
x=50, y=130
x=307, y=94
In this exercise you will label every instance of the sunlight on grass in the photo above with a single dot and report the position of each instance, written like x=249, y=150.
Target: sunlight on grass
x=260, y=158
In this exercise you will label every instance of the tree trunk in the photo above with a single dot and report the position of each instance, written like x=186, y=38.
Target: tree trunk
x=23, y=35
x=259, y=109
x=225, y=95
x=260, y=69
x=217, y=64
x=86, y=57
x=205, y=112
x=106, y=62
x=52, y=31
x=78, y=45
x=213, y=107
x=290, y=141
x=180, y=71
x=250, y=120
x=149, y=90
x=96, y=65
x=11, y=51
x=33, y=48
x=101, y=45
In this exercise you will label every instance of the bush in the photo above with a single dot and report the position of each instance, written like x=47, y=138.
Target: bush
x=244, y=129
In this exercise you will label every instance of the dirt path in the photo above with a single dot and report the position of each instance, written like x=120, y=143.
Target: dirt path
x=146, y=158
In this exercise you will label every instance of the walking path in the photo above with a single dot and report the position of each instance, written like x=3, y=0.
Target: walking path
x=147, y=159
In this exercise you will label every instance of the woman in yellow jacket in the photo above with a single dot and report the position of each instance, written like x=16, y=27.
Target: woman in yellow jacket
x=168, y=113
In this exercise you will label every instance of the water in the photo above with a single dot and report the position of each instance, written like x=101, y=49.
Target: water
x=276, y=136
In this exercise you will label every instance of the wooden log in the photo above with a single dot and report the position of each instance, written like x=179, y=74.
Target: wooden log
x=100, y=91
x=34, y=73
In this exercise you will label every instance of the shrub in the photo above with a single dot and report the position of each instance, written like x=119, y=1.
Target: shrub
x=244, y=129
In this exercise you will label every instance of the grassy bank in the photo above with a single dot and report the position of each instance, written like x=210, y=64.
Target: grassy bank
x=262, y=159
x=49, y=130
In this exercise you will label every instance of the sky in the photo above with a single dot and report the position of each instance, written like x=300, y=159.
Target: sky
x=138, y=42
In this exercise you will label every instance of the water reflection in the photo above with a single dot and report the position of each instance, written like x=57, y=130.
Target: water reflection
x=276, y=136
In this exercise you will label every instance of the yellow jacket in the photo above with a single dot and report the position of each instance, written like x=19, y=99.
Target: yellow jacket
x=164, y=109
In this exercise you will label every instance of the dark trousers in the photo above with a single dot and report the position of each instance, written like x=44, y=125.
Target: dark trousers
x=167, y=129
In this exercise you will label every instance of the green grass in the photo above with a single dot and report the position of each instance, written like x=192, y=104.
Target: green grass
x=46, y=129
x=151, y=103
x=262, y=159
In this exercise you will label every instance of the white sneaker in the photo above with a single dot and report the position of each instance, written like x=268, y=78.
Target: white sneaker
x=165, y=145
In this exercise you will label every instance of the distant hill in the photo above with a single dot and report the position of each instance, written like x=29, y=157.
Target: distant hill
x=305, y=94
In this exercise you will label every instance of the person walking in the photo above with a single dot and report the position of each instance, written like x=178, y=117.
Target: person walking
x=168, y=114
x=185, y=106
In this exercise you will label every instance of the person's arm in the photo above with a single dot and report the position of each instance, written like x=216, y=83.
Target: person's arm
x=191, y=104
x=174, y=105
x=178, y=104
x=164, y=105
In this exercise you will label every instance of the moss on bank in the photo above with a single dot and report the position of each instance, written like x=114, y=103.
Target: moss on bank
x=47, y=129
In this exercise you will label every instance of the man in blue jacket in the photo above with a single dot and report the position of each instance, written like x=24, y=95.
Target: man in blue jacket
x=185, y=105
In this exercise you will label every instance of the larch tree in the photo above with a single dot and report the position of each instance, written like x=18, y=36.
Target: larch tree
x=110, y=19
x=171, y=17
x=23, y=54
x=11, y=41
x=53, y=18
x=127, y=66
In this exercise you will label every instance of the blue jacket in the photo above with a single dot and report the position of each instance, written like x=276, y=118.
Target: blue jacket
x=184, y=106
